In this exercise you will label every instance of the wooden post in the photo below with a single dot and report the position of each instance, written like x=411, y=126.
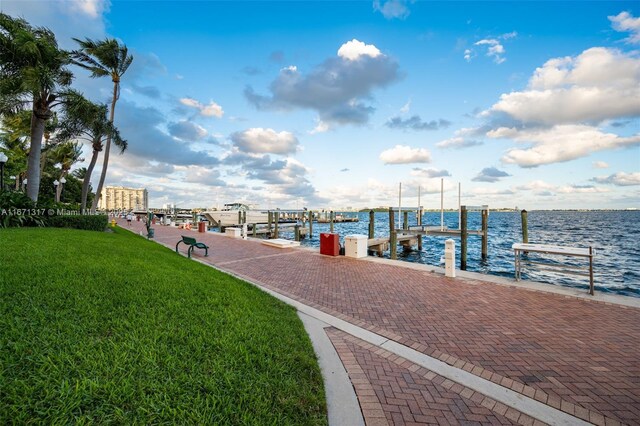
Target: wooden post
x=331, y=221
x=297, y=232
x=525, y=231
x=269, y=223
x=485, y=233
x=393, y=243
x=392, y=225
x=310, y=223
x=255, y=227
x=405, y=220
x=590, y=270
x=239, y=217
x=463, y=238
x=371, y=223
x=276, y=220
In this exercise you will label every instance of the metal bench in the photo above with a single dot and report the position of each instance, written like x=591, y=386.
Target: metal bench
x=192, y=243
x=589, y=253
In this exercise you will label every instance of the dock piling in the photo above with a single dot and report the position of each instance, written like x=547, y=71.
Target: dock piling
x=297, y=232
x=392, y=225
x=463, y=238
x=371, y=223
x=275, y=231
x=405, y=220
x=310, y=223
x=485, y=233
x=525, y=231
x=393, y=245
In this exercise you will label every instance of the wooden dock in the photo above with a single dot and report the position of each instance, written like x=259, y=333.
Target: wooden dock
x=410, y=235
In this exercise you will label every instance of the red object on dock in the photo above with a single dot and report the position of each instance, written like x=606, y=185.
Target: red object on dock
x=202, y=226
x=330, y=244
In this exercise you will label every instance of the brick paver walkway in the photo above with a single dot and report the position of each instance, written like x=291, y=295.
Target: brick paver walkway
x=579, y=356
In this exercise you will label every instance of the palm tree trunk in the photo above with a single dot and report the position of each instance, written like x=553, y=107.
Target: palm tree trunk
x=87, y=179
x=105, y=161
x=33, y=162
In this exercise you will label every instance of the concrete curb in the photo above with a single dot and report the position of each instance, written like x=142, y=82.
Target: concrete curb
x=342, y=403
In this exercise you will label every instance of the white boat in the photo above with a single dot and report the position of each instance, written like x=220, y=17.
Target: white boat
x=230, y=215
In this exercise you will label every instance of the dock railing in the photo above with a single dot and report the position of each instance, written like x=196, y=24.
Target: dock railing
x=521, y=248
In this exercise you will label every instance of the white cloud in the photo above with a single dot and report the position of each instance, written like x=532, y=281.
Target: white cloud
x=402, y=154
x=581, y=189
x=91, y=8
x=321, y=127
x=490, y=174
x=354, y=49
x=339, y=89
x=265, y=141
x=468, y=54
x=536, y=185
x=429, y=173
x=210, y=110
x=620, y=179
x=458, y=142
x=598, y=84
x=559, y=143
x=391, y=9
x=625, y=22
x=406, y=107
x=600, y=165
x=494, y=50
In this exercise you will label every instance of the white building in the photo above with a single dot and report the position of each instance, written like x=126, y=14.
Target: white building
x=121, y=198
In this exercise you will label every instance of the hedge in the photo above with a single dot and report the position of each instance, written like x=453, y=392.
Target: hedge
x=86, y=222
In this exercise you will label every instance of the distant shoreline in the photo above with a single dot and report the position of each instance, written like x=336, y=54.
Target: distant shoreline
x=382, y=210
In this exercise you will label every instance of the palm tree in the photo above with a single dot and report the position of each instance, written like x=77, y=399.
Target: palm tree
x=87, y=121
x=104, y=58
x=32, y=70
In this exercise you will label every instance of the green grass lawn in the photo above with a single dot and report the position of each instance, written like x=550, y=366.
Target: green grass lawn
x=111, y=328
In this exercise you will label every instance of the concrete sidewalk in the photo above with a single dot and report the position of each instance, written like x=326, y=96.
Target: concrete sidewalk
x=452, y=351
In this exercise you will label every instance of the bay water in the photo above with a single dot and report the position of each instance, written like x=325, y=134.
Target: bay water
x=615, y=235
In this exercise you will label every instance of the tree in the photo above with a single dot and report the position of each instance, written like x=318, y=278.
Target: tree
x=14, y=140
x=85, y=120
x=66, y=154
x=104, y=58
x=32, y=70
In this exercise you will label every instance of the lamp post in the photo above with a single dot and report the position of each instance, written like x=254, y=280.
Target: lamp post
x=3, y=159
x=55, y=185
x=62, y=182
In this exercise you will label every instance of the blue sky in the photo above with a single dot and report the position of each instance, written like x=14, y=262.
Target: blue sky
x=332, y=104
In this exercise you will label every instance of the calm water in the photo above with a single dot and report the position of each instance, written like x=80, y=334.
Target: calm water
x=614, y=235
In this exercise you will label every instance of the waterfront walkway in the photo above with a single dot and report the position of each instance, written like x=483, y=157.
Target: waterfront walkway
x=420, y=348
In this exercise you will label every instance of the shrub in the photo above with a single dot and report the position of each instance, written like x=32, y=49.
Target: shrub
x=86, y=222
x=17, y=210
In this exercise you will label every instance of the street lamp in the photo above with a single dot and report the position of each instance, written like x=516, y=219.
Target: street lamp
x=62, y=182
x=3, y=159
x=55, y=185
